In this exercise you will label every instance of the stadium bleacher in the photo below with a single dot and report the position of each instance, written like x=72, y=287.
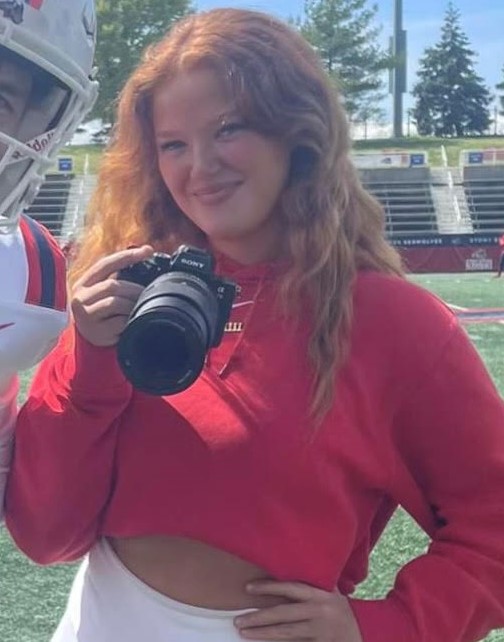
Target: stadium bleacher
x=483, y=181
x=51, y=203
x=486, y=201
x=401, y=182
x=408, y=206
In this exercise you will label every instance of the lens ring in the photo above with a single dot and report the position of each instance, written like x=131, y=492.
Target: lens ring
x=155, y=366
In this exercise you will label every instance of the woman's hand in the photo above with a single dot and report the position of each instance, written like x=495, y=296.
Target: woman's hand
x=311, y=614
x=101, y=304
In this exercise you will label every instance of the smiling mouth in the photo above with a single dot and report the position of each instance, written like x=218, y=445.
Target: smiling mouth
x=215, y=194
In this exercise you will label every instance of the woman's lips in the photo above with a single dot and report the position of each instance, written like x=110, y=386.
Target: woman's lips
x=214, y=194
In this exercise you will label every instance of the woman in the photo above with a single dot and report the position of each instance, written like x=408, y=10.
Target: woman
x=246, y=506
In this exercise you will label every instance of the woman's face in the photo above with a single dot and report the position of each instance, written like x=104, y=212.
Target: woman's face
x=226, y=177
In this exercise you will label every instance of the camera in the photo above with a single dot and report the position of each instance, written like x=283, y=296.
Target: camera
x=179, y=316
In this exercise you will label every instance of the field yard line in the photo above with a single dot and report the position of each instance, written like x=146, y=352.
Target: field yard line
x=478, y=315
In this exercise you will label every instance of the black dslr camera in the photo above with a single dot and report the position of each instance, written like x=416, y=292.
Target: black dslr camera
x=178, y=317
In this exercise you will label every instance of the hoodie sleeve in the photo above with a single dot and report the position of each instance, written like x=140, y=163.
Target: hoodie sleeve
x=62, y=469
x=449, y=437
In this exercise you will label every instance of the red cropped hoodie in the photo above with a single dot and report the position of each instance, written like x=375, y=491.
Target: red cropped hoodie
x=235, y=462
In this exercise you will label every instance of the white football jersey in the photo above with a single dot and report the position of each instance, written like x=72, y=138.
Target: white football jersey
x=33, y=304
x=33, y=312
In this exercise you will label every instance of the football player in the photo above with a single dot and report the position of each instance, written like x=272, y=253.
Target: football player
x=46, y=89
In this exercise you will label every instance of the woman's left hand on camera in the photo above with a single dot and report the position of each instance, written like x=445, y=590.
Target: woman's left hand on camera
x=310, y=614
x=100, y=302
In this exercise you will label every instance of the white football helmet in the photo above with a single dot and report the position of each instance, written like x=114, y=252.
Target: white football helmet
x=57, y=36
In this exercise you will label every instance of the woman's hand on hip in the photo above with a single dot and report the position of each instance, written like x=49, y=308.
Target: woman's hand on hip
x=100, y=303
x=310, y=614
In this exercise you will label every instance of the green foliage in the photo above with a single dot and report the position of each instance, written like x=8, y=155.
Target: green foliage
x=125, y=29
x=500, y=87
x=451, y=99
x=343, y=34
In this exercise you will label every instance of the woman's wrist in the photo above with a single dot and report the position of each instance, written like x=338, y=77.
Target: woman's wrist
x=96, y=367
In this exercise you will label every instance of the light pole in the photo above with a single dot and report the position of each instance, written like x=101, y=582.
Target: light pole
x=398, y=72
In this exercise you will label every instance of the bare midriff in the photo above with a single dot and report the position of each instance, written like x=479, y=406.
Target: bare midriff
x=192, y=572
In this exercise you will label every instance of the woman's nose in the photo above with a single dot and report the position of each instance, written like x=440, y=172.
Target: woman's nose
x=204, y=160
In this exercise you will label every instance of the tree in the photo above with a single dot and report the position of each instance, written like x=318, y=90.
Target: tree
x=451, y=99
x=500, y=87
x=343, y=34
x=125, y=28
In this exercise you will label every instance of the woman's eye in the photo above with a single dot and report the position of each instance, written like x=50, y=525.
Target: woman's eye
x=231, y=128
x=171, y=145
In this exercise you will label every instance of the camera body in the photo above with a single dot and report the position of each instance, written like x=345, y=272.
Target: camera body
x=179, y=316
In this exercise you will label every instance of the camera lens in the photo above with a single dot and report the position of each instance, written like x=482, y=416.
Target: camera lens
x=163, y=347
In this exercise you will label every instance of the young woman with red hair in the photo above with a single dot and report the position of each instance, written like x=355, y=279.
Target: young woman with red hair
x=247, y=505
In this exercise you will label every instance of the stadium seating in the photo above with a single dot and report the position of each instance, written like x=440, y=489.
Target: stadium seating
x=406, y=197
x=50, y=204
x=408, y=207
x=483, y=181
x=485, y=199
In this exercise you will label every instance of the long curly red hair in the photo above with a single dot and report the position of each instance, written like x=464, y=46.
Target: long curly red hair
x=333, y=227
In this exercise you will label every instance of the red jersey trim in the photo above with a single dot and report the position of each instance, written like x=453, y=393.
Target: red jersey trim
x=46, y=267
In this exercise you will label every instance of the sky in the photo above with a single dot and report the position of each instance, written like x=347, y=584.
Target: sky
x=481, y=20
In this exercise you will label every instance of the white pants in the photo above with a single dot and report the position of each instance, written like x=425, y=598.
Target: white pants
x=108, y=603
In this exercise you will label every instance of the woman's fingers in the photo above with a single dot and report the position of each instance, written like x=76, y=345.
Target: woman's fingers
x=275, y=615
x=109, y=265
x=101, y=304
x=295, y=591
x=311, y=614
x=86, y=296
x=109, y=307
x=296, y=631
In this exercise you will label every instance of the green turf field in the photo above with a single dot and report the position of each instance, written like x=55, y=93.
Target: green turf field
x=32, y=598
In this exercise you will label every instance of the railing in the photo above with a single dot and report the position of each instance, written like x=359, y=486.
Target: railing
x=62, y=201
x=50, y=204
